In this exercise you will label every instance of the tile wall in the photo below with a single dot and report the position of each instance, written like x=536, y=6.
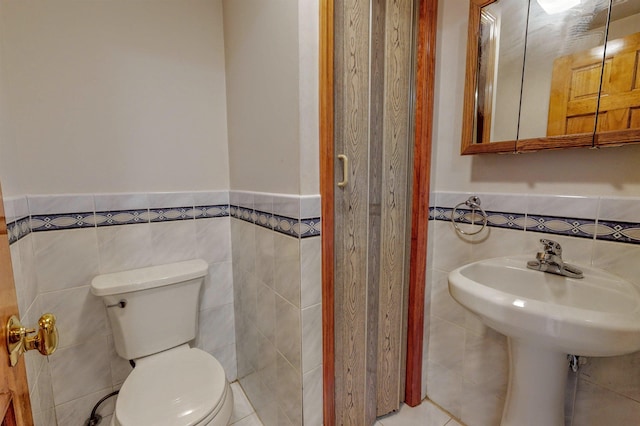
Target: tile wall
x=23, y=261
x=59, y=243
x=465, y=363
x=277, y=292
x=272, y=269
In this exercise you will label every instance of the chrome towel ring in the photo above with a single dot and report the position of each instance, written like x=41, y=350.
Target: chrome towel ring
x=474, y=204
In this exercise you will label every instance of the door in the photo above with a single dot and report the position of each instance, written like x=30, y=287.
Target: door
x=576, y=91
x=575, y=85
x=619, y=107
x=15, y=406
x=373, y=140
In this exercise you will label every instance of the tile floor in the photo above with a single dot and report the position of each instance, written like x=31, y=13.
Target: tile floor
x=425, y=414
x=243, y=412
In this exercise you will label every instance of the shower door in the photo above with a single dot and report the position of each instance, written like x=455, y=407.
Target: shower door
x=372, y=141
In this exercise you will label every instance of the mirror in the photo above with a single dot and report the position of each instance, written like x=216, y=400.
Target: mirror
x=618, y=118
x=539, y=75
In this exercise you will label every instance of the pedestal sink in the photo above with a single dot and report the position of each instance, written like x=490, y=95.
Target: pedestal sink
x=546, y=317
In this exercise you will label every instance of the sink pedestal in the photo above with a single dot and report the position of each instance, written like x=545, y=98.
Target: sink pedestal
x=537, y=381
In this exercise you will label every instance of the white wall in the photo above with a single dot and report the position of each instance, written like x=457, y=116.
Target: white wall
x=114, y=96
x=262, y=63
x=309, y=51
x=610, y=171
x=6, y=136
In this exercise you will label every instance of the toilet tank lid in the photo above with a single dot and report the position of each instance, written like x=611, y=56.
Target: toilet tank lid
x=150, y=277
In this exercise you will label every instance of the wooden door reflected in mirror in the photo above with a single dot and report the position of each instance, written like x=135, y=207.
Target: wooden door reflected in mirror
x=562, y=74
x=540, y=76
x=619, y=107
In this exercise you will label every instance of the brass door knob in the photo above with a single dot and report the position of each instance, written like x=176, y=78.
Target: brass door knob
x=19, y=340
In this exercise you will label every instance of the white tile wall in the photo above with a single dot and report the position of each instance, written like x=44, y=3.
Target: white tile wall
x=269, y=277
x=277, y=288
x=54, y=268
x=467, y=363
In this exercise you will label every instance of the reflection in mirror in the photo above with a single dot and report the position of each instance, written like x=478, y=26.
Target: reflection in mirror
x=487, y=44
x=508, y=66
x=619, y=108
x=500, y=59
x=562, y=72
x=497, y=31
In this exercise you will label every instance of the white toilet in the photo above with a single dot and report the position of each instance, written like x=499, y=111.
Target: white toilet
x=154, y=314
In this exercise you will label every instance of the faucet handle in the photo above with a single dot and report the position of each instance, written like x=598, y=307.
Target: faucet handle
x=551, y=247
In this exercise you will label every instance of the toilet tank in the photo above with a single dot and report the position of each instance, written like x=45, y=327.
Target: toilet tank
x=159, y=309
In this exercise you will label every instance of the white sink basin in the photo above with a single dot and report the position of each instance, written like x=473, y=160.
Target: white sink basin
x=598, y=315
x=545, y=317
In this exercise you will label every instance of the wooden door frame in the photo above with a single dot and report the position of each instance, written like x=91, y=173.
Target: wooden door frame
x=424, y=87
x=14, y=387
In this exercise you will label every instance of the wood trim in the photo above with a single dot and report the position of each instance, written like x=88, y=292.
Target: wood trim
x=8, y=415
x=425, y=83
x=556, y=142
x=327, y=197
x=491, y=148
x=467, y=145
x=617, y=138
x=12, y=379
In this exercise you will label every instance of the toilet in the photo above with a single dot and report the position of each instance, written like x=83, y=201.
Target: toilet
x=154, y=315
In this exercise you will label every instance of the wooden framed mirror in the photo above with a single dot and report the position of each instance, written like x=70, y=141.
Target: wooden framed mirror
x=619, y=105
x=551, y=74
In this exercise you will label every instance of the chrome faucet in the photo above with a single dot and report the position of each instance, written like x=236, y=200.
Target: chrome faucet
x=550, y=260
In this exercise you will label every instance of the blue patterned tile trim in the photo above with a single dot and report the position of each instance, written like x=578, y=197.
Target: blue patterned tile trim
x=286, y=225
x=584, y=228
x=242, y=213
x=122, y=217
x=506, y=220
x=18, y=229
x=309, y=227
x=170, y=214
x=263, y=219
x=603, y=230
x=298, y=228
x=233, y=211
x=218, y=210
x=623, y=232
x=494, y=219
x=53, y=222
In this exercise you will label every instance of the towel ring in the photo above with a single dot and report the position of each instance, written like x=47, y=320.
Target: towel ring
x=474, y=204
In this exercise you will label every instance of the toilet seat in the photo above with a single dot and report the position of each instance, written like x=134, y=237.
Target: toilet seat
x=182, y=386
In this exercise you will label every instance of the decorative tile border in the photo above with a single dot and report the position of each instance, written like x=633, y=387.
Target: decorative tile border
x=605, y=230
x=624, y=232
x=18, y=229
x=122, y=217
x=571, y=227
x=600, y=229
x=264, y=219
x=55, y=222
x=494, y=219
x=206, y=212
x=310, y=227
x=291, y=226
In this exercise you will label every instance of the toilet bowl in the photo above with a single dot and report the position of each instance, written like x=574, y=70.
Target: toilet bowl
x=153, y=314
x=183, y=386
